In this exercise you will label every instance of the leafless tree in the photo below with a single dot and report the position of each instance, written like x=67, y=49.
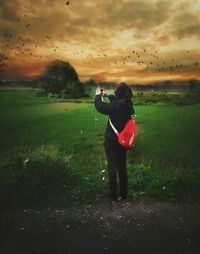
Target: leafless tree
x=3, y=60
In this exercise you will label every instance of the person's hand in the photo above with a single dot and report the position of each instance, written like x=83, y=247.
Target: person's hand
x=98, y=91
x=104, y=92
x=101, y=91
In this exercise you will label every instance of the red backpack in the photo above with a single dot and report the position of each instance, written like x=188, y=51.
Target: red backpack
x=127, y=136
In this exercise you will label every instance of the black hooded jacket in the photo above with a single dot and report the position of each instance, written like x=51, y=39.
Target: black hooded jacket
x=118, y=110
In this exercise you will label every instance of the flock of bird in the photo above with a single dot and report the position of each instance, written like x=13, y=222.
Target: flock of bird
x=148, y=60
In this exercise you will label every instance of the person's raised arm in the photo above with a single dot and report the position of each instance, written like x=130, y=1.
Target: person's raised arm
x=112, y=97
x=102, y=107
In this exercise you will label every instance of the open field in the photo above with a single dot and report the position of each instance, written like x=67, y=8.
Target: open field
x=52, y=153
x=53, y=178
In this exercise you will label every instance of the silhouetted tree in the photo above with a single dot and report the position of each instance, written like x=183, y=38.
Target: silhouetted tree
x=3, y=59
x=57, y=77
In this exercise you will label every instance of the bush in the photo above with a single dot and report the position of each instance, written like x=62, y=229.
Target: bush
x=40, y=92
x=75, y=90
x=50, y=95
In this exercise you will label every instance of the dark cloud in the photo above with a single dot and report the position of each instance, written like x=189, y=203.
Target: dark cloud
x=8, y=10
x=186, y=24
x=138, y=14
x=83, y=21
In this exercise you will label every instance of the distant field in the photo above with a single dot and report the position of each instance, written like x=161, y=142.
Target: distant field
x=51, y=152
x=14, y=88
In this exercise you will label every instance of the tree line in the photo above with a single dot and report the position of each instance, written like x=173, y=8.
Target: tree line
x=60, y=79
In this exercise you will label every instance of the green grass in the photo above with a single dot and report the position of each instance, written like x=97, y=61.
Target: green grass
x=160, y=98
x=46, y=159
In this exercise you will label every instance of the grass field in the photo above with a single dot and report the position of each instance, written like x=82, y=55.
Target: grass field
x=52, y=152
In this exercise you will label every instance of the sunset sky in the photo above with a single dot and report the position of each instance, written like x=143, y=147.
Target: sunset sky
x=136, y=41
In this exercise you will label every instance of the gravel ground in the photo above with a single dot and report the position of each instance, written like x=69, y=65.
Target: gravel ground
x=134, y=226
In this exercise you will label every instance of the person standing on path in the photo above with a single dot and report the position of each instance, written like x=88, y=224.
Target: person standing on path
x=119, y=109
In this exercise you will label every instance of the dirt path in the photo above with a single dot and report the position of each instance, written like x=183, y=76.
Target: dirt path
x=104, y=227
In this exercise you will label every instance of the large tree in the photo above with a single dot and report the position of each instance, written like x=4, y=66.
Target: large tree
x=75, y=90
x=57, y=76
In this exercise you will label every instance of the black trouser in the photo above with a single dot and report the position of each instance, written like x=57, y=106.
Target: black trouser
x=116, y=159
